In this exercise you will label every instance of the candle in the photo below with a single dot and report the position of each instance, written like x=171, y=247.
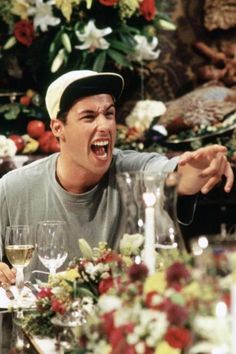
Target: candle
x=233, y=318
x=149, y=242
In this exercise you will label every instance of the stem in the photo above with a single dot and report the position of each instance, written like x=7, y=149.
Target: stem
x=19, y=279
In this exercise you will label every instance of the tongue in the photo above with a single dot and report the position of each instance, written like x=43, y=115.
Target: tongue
x=99, y=150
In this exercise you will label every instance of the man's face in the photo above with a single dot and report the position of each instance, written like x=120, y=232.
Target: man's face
x=88, y=136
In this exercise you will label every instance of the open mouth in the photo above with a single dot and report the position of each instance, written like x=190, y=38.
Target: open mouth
x=100, y=148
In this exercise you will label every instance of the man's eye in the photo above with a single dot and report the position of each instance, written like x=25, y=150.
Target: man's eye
x=110, y=114
x=87, y=118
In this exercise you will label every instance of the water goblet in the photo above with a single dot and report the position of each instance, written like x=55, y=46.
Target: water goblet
x=51, y=244
x=19, y=249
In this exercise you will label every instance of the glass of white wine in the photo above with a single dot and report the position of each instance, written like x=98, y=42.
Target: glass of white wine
x=19, y=249
x=51, y=244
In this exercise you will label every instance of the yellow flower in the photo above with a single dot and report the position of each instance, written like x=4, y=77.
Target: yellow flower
x=193, y=290
x=165, y=348
x=19, y=8
x=71, y=274
x=155, y=282
x=66, y=7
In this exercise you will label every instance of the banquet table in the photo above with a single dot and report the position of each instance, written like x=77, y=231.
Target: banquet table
x=13, y=340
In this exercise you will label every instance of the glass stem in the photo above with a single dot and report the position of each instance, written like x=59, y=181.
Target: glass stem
x=52, y=271
x=19, y=279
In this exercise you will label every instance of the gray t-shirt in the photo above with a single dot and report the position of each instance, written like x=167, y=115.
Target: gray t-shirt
x=31, y=194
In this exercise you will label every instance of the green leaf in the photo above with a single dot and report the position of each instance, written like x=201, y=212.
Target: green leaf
x=121, y=46
x=119, y=58
x=99, y=62
x=80, y=291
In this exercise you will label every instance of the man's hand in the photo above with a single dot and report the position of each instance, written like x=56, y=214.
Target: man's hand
x=7, y=275
x=202, y=169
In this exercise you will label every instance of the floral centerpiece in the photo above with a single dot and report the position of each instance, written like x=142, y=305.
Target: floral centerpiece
x=85, y=34
x=125, y=310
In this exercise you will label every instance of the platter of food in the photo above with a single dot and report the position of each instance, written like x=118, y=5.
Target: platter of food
x=204, y=131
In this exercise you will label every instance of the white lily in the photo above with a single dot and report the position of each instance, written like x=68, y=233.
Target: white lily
x=93, y=37
x=145, y=50
x=130, y=244
x=43, y=15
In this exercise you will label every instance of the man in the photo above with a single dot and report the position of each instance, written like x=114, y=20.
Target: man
x=78, y=185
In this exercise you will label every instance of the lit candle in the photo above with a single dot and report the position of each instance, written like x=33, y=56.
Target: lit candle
x=233, y=318
x=149, y=242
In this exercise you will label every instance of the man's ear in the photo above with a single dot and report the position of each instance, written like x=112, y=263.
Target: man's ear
x=56, y=126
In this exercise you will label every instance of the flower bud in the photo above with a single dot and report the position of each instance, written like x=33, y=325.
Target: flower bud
x=58, y=61
x=10, y=43
x=85, y=249
x=66, y=42
x=166, y=25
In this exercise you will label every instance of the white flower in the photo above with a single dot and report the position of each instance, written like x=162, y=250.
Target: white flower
x=145, y=50
x=7, y=147
x=143, y=114
x=109, y=303
x=43, y=16
x=215, y=330
x=93, y=37
x=130, y=244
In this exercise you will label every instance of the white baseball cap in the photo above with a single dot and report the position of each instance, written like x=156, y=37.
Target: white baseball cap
x=69, y=87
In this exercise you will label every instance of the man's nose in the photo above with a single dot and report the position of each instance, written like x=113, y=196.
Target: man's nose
x=102, y=122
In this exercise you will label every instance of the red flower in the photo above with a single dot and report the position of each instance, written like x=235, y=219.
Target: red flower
x=177, y=273
x=148, y=9
x=105, y=285
x=108, y=2
x=108, y=322
x=45, y=292
x=137, y=272
x=176, y=314
x=178, y=337
x=118, y=335
x=109, y=257
x=58, y=306
x=24, y=32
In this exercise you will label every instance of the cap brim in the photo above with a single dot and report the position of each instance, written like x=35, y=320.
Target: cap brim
x=108, y=83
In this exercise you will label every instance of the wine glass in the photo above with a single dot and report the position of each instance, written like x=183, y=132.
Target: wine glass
x=19, y=249
x=51, y=244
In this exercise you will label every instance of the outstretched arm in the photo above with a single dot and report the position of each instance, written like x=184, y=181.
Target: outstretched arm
x=202, y=169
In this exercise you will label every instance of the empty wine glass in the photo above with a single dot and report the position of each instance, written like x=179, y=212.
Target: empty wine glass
x=51, y=244
x=19, y=248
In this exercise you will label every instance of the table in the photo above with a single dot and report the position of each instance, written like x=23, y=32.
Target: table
x=13, y=337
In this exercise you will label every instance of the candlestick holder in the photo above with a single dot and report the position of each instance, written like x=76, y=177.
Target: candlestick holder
x=149, y=208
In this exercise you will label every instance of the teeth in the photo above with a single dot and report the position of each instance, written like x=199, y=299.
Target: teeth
x=101, y=143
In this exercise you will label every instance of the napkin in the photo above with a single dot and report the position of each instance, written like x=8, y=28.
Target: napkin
x=27, y=298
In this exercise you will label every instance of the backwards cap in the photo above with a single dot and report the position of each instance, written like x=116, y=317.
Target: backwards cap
x=65, y=90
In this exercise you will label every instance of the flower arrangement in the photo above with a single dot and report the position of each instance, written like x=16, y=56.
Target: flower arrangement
x=125, y=310
x=86, y=278
x=85, y=34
